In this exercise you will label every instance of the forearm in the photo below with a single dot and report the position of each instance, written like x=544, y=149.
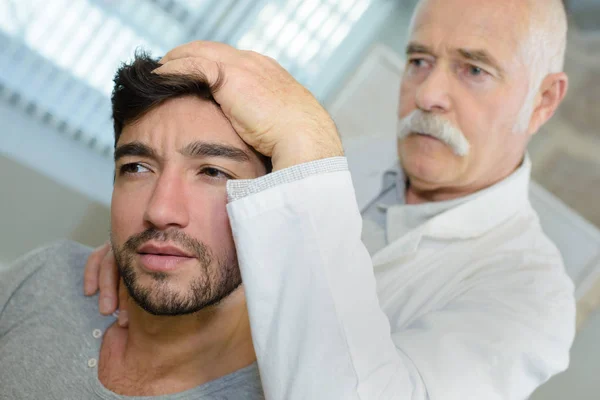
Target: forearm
x=317, y=326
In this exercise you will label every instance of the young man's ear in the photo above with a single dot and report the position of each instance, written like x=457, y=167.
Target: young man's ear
x=552, y=92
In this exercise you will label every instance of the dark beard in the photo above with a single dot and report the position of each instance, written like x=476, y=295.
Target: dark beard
x=212, y=286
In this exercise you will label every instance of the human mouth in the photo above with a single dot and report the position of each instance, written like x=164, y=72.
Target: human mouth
x=425, y=135
x=162, y=258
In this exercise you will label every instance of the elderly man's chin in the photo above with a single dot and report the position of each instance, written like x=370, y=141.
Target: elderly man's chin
x=428, y=159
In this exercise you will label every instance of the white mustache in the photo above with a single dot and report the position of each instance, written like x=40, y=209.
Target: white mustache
x=433, y=125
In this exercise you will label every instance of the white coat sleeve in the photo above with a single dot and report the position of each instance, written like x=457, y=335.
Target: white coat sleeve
x=317, y=327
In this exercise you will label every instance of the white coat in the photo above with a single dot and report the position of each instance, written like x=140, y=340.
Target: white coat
x=473, y=304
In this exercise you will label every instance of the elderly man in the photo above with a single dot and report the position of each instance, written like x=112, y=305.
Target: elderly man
x=464, y=297
x=189, y=333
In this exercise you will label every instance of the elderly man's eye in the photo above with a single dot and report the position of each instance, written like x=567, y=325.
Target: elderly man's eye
x=476, y=71
x=474, y=74
x=417, y=62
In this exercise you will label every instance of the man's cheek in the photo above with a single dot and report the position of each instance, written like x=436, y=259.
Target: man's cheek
x=223, y=227
x=222, y=230
x=126, y=218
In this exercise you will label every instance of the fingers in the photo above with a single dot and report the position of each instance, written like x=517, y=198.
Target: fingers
x=92, y=266
x=218, y=52
x=108, y=281
x=202, y=68
x=123, y=318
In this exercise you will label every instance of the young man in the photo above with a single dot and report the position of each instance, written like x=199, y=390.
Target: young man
x=189, y=334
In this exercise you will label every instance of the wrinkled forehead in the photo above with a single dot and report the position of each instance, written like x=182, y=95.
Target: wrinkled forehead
x=182, y=120
x=499, y=27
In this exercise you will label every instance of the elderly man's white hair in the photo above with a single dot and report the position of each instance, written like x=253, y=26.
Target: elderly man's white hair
x=542, y=51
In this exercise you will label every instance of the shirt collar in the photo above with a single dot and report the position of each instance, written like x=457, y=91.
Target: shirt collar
x=465, y=217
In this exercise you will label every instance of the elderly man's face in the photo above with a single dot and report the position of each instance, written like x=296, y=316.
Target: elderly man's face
x=465, y=68
x=170, y=230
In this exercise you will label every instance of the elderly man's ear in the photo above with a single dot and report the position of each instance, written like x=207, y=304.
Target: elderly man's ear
x=552, y=92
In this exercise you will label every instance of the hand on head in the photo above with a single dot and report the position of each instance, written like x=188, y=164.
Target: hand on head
x=266, y=106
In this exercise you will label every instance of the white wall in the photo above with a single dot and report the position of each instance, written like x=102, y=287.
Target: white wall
x=35, y=210
x=580, y=381
x=50, y=187
x=582, y=5
x=392, y=33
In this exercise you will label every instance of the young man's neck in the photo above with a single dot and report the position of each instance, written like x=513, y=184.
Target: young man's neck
x=185, y=351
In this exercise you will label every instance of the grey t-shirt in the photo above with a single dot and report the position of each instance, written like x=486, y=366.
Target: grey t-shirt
x=50, y=335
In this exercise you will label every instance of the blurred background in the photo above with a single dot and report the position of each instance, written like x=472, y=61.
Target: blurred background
x=57, y=59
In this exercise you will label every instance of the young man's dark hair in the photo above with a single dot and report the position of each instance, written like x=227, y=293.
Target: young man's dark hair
x=138, y=90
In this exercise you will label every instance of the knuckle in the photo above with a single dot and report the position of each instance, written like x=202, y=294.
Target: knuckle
x=108, y=258
x=252, y=57
x=95, y=255
x=249, y=53
x=271, y=60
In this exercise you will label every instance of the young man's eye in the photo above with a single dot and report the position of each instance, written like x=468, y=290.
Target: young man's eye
x=215, y=173
x=132, y=169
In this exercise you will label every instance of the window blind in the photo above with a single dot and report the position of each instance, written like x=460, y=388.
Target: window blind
x=58, y=58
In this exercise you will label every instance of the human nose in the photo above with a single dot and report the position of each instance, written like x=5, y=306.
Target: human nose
x=167, y=206
x=433, y=92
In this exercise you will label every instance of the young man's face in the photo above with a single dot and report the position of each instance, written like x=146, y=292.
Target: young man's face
x=170, y=230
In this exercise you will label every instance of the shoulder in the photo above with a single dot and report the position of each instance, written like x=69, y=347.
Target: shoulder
x=524, y=271
x=519, y=267
x=43, y=272
x=520, y=255
x=63, y=249
x=57, y=255
x=522, y=240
